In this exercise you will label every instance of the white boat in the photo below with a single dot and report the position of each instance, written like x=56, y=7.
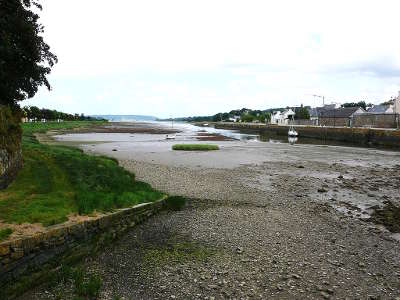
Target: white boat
x=170, y=137
x=292, y=131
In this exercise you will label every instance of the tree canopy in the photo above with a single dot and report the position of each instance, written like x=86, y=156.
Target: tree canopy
x=356, y=104
x=302, y=114
x=25, y=59
x=35, y=113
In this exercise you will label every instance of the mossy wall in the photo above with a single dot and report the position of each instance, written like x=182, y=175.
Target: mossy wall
x=10, y=144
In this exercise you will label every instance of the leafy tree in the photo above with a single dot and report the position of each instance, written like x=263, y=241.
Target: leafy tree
x=302, y=114
x=25, y=59
x=247, y=118
x=356, y=104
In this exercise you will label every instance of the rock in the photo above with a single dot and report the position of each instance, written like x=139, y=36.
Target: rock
x=239, y=250
x=325, y=295
x=296, y=276
x=114, y=150
x=322, y=190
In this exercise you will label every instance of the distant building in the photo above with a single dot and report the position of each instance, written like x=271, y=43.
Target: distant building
x=381, y=109
x=396, y=106
x=234, y=119
x=340, y=116
x=315, y=112
x=282, y=118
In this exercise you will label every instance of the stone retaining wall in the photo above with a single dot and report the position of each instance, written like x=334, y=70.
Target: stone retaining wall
x=361, y=136
x=27, y=262
x=10, y=145
x=377, y=120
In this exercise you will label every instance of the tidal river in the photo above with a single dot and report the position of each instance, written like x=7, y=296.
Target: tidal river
x=265, y=219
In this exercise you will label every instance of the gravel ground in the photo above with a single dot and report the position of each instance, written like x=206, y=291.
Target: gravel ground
x=269, y=230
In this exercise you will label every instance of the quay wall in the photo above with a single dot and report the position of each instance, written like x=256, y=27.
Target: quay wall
x=355, y=135
x=30, y=261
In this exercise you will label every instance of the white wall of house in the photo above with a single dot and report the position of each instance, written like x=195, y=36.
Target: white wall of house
x=282, y=118
x=397, y=104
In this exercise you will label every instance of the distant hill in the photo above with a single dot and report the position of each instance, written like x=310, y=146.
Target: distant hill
x=126, y=118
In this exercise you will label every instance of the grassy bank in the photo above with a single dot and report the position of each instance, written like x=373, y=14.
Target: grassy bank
x=57, y=181
x=195, y=147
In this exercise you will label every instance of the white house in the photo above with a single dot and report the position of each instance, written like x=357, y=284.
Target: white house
x=396, y=106
x=282, y=118
x=234, y=119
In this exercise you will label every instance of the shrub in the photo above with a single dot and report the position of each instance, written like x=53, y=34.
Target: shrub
x=5, y=233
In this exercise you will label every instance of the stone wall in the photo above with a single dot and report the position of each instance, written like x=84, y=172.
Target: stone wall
x=10, y=145
x=376, y=120
x=27, y=262
x=361, y=136
x=305, y=122
x=334, y=121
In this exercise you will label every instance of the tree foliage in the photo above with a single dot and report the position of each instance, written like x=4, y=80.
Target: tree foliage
x=35, y=113
x=25, y=59
x=302, y=114
x=356, y=104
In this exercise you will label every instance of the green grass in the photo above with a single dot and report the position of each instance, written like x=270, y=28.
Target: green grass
x=195, y=147
x=57, y=181
x=5, y=233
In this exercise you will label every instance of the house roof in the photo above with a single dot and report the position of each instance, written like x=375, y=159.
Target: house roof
x=316, y=111
x=379, y=109
x=344, y=112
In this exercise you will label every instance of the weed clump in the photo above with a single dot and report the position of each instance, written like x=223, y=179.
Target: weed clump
x=5, y=233
x=175, y=202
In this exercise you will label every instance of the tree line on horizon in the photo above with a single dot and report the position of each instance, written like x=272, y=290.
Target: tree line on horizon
x=243, y=115
x=262, y=116
x=35, y=113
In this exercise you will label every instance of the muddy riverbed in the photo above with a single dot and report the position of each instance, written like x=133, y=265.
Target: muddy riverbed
x=265, y=221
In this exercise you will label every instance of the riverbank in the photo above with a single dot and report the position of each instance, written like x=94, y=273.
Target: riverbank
x=64, y=205
x=267, y=220
x=388, y=138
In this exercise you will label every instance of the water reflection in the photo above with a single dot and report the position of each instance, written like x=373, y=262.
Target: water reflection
x=249, y=135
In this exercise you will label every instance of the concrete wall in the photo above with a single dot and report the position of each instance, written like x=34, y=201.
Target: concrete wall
x=10, y=145
x=27, y=262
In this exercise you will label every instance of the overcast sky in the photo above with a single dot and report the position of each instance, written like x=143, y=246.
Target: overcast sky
x=181, y=58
